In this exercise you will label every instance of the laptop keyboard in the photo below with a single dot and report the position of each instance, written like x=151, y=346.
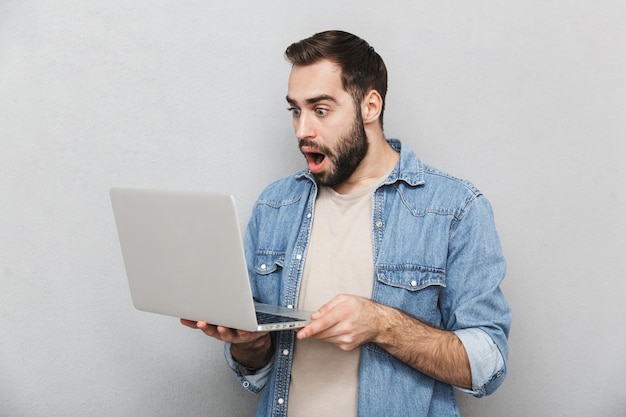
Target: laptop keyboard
x=265, y=318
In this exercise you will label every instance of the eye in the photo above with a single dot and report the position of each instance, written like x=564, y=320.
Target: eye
x=295, y=112
x=321, y=111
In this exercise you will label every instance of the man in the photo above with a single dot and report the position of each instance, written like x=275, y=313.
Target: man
x=400, y=262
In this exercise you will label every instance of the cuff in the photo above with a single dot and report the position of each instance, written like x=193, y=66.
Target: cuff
x=253, y=381
x=486, y=361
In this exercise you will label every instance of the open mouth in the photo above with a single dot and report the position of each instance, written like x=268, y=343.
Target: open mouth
x=315, y=160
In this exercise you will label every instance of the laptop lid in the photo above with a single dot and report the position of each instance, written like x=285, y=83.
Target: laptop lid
x=184, y=256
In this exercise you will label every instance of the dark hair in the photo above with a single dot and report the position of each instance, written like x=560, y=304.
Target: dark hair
x=362, y=69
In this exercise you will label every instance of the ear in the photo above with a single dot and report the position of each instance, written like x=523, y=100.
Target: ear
x=371, y=106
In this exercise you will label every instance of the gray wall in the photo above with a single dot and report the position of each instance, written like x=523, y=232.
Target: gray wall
x=526, y=99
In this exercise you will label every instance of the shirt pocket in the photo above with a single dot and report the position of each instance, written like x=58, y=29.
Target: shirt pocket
x=268, y=269
x=411, y=288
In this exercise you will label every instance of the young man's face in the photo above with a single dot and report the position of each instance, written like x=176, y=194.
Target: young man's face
x=328, y=124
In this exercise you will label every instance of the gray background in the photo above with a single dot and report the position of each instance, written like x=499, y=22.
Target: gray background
x=526, y=99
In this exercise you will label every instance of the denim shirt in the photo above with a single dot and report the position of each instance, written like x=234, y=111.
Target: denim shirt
x=437, y=257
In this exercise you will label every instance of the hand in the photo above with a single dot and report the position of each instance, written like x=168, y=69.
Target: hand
x=251, y=349
x=347, y=321
x=225, y=334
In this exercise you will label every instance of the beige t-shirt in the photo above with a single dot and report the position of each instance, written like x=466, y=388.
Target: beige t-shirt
x=324, y=379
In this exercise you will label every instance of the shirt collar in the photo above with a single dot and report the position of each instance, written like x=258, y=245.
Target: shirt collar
x=409, y=168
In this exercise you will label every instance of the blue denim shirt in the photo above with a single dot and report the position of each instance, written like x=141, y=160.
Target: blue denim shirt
x=437, y=258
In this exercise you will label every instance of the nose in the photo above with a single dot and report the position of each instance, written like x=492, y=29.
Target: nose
x=303, y=127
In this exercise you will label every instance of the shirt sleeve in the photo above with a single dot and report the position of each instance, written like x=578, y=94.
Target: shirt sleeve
x=486, y=361
x=253, y=381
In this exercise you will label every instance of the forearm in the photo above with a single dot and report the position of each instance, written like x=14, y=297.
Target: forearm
x=253, y=355
x=434, y=352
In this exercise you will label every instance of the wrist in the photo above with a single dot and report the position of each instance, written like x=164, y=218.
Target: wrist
x=253, y=355
x=386, y=324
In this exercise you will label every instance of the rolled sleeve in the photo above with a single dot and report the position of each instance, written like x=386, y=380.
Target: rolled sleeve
x=252, y=381
x=486, y=361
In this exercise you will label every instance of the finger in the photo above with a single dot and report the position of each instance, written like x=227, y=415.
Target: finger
x=217, y=332
x=225, y=333
x=189, y=323
x=324, y=318
x=237, y=336
x=247, y=336
x=316, y=327
x=326, y=308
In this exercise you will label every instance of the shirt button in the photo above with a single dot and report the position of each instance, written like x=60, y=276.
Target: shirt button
x=289, y=306
x=379, y=224
x=263, y=266
x=281, y=401
x=308, y=215
x=413, y=283
x=246, y=384
x=286, y=352
x=298, y=256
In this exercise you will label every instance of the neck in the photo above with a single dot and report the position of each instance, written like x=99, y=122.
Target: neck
x=379, y=160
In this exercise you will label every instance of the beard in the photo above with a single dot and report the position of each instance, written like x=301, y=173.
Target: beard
x=351, y=148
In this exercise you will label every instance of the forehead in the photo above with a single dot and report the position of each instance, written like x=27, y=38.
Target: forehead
x=320, y=78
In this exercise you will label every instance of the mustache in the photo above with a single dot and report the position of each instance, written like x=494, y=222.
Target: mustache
x=315, y=146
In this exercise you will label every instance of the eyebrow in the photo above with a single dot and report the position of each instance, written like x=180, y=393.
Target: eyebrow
x=313, y=100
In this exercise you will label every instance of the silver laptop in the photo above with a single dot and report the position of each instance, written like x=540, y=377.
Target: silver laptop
x=184, y=257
